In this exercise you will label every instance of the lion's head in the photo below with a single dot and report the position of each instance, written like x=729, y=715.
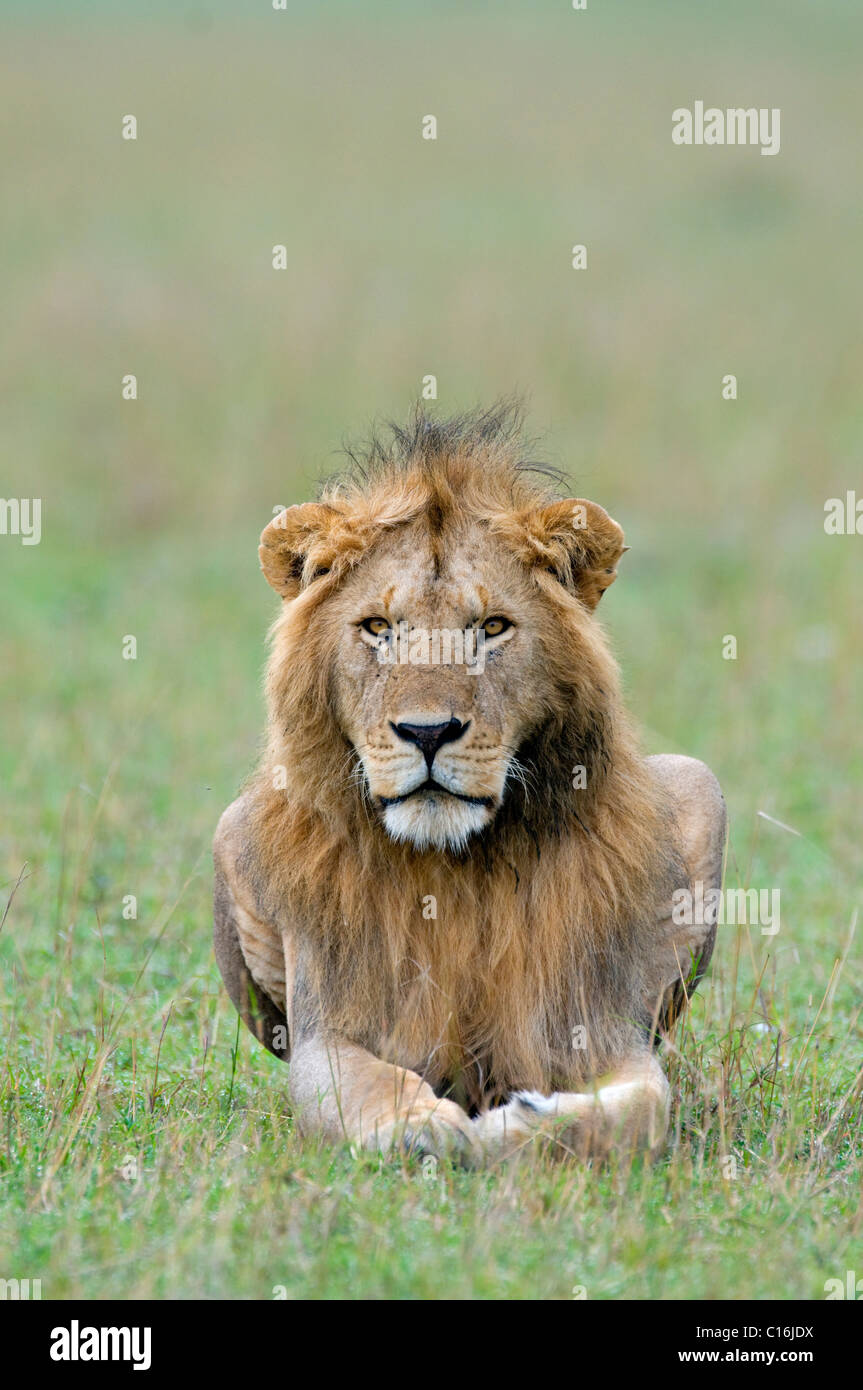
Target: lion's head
x=445, y=600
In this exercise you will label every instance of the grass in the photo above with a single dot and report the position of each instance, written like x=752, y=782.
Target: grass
x=407, y=257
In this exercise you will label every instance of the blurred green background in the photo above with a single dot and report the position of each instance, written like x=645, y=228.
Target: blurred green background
x=406, y=257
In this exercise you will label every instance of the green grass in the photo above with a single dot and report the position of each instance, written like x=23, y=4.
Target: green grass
x=405, y=258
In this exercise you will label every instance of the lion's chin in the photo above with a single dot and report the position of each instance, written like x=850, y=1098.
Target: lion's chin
x=435, y=822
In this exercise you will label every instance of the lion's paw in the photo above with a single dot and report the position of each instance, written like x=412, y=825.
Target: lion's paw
x=442, y=1131
x=526, y=1118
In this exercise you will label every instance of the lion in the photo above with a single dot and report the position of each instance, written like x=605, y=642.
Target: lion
x=447, y=893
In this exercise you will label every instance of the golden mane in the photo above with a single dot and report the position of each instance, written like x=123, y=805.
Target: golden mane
x=547, y=916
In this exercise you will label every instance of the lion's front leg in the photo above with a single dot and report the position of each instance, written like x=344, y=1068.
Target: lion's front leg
x=343, y=1093
x=347, y=1095
x=626, y=1111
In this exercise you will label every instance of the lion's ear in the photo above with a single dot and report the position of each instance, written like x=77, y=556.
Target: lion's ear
x=576, y=540
x=299, y=545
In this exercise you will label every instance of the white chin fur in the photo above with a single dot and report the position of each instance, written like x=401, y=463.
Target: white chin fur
x=435, y=822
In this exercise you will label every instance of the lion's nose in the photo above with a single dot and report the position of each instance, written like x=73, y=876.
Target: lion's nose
x=430, y=737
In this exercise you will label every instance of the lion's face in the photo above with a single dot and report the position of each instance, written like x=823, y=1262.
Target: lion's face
x=438, y=677
x=434, y=635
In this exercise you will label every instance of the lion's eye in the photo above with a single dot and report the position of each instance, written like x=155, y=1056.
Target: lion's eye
x=493, y=627
x=375, y=626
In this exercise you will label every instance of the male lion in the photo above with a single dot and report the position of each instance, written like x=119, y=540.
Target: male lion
x=447, y=891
